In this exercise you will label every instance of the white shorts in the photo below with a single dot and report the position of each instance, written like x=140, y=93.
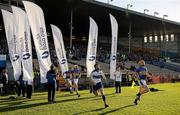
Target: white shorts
x=1, y=85
x=142, y=83
x=69, y=81
x=76, y=81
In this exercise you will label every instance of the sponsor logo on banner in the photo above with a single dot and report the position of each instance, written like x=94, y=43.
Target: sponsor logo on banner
x=42, y=43
x=16, y=57
x=114, y=30
x=13, y=42
x=59, y=48
x=92, y=46
x=38, y=28
x=113, y=57
x=63, y=61
x=42, y=39
x=26, y=42
x=26, y=56
x=45, y=54
x=92, y=58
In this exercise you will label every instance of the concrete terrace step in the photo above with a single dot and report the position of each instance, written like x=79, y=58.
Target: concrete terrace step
x=153, y=69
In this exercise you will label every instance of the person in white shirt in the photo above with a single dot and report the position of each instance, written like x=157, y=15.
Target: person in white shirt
x=96, y=76
x=118, y=79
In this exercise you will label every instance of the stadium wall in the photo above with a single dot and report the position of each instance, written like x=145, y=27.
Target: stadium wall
x=178, y=44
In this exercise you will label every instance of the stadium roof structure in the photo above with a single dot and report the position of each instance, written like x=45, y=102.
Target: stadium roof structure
x=58, y=13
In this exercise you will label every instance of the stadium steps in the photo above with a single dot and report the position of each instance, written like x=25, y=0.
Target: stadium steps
x=153, y=69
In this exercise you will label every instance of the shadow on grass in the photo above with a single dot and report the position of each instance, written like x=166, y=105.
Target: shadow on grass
x=114, y=110
x=100, y=109
x=57, y=93
x=21, y=105
x=8, y=100
x=94, y=110
x=17, y=107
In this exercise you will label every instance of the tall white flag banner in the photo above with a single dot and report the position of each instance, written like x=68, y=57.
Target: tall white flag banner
x=37, y=24
x=59, y=46
x=92, y=47
x=23, y=33
x=114, y=29
x=12, y=41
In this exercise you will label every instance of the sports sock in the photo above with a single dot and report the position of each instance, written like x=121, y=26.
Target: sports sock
x=77, y=92
x=139, y=94
x=104, y=99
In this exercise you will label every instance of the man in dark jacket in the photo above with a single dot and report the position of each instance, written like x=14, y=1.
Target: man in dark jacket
x=29, y=89
x=21, y=86
x=51, y=84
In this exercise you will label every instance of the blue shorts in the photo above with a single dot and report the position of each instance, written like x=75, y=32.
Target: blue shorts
x=142, y=82
x=97, y=86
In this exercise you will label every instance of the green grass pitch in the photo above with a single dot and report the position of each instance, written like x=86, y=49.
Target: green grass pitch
x=164, y=102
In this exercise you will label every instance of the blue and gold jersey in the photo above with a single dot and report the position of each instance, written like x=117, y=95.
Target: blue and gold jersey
x=76, y=73
x=142, y=72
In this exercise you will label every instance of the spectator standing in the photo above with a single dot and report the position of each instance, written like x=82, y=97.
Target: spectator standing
x=51, y=83
x=118, y=79
x=21, y=86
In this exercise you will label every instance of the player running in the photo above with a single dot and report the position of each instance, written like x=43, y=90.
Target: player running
x=96, y=76
x=76, y=75
x=142, y=74
x=68, y=77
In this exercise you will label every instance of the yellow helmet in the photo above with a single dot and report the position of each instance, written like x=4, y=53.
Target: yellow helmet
x=141, y=62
